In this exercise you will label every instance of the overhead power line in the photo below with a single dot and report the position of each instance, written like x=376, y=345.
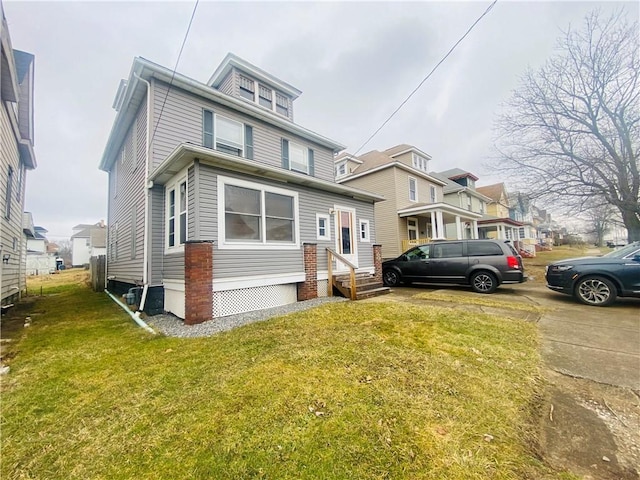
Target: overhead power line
x=427, y=77
x=173, y=74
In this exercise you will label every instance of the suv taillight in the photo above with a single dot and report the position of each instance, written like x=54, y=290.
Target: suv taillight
x=513, y=262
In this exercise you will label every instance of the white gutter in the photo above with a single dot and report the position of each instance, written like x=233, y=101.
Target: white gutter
x=135, y=316
x=145, y=243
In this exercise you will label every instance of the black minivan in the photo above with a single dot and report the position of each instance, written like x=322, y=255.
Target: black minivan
x=482, y=264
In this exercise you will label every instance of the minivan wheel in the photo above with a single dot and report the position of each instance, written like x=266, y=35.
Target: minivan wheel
x=484, y=282
x=391, y=278
x=596, y=291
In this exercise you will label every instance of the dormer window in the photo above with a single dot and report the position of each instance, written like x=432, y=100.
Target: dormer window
x=282, y=104
x=341, y=169
x=265, y=97
x=420, y=163
x=247, y=88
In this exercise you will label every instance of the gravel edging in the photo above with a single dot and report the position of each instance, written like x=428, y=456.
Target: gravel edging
x=172, y=326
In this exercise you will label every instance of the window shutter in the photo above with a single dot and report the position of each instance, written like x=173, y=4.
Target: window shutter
x=311, y=163
x=207, y=128
x=248, y=142
x=285, y=154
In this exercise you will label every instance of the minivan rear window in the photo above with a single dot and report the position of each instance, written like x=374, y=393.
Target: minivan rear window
x=483, y=249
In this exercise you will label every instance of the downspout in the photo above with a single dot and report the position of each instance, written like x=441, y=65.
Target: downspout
x=135, y=316
x=145, y=245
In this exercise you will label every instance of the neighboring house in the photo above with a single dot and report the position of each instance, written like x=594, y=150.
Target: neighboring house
x=16, y=157
x=497, y=222
x=40, y=257
x=88, y=241
x=415, y=209
x=522, y=210
x=218, y=202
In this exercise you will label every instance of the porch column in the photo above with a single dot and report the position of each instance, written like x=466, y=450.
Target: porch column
x=501, y=234
x=434, y=232
x=377, y=263
x=458, y=228
x=198, y=281
x=440, y=222
x=476, y=234
x=309, y=288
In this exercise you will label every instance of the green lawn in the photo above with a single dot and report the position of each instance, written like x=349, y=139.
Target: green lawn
x=349, y=390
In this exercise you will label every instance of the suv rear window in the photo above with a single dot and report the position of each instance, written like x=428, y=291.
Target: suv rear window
x=483, y=249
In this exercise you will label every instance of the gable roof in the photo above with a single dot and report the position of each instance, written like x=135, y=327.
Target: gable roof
x=346, y=156
x=456, y=173
x=494, y=192
x=135, y=92
x=404, y=148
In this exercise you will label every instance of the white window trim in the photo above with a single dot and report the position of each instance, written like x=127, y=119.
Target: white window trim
x=239, y=245
x=175, y=185
x=367, y=231
x=216, y=130
x=327, y=229
x=415, y=181
x=305, y=152
x=433, y=194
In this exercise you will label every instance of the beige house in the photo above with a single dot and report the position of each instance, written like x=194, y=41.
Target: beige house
x=415, y=210
x=497, y=223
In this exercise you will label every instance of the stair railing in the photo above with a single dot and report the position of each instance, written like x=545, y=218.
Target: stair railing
x=331, y=255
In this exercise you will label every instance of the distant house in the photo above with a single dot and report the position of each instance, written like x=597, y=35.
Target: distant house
x=16, y=157
x=498, y=222
x=88, y=241
x=218, y=202
x=40, y=255
x=420, y=205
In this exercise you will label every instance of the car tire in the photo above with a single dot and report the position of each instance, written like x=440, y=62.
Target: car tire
x=484, y=282
x=391, y=278
x=595, y=291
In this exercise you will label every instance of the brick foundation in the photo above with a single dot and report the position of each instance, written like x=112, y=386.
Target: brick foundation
x=198, y=281
x=377, y=262
x=309, y=288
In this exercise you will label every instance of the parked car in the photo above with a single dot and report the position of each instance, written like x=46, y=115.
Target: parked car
x=598, y=280
x=482, y=264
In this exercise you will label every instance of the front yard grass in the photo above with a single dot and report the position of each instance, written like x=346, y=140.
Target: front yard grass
x=346, y=390
x=535, y=267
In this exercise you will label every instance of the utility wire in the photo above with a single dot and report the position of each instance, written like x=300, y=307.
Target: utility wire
x=173, y=74
x=426, y=78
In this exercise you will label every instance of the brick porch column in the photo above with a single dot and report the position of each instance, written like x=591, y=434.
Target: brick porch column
x=198, y=281
x=377, y=263
x=309, y=288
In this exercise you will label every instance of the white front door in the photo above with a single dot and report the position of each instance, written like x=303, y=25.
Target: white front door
x=346, y=236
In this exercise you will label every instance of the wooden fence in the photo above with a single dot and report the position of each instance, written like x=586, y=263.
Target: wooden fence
x=97, y=266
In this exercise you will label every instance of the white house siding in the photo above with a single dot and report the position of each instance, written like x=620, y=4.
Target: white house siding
x=80, y=251
x=12, y=235
x=181, y=122
x=126, y=204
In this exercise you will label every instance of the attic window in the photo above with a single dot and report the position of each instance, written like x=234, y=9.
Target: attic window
x=247, y=88
x=265, y=96
x=420, y=163
x=282, y=104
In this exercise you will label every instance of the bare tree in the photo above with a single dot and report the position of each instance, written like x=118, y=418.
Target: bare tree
x=571, y=131
x=599, y=220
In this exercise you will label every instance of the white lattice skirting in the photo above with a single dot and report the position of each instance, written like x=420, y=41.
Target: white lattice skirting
x=322, y=288
x=241, y=300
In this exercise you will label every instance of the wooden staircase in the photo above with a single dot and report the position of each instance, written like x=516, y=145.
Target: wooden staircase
x=366, y=286
x=355, y=286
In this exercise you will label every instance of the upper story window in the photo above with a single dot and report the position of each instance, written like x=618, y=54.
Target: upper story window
x=434, y=194
x=469, y=204
x=296, y=157
x=227, y=135
x=420, y=163
x=247, y=88
x=413, y=189
x=341, y=169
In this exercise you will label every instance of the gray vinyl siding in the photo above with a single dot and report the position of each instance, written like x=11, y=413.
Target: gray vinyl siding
x=12, y=237
x=227, y=85
x=181, y=122
x=228, y=263
x=125, y=242
x=156, y=209
x=232, y=86
x=173, y=267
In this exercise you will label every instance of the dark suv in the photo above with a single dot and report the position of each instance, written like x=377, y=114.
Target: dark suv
x=483, y=264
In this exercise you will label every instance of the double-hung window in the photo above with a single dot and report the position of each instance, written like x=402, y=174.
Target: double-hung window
x=413, y=189
x=297, y=157
x=227, y=135
x=247, y=88
x=434, y=194
x=265, y=96
x=282, y=105
x=177, y=213
x=323, y=227
x=253, y=214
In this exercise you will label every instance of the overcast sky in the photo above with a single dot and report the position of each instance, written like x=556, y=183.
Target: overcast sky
x=355, y=62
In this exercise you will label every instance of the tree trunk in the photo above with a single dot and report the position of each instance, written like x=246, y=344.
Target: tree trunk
x=632, y=224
